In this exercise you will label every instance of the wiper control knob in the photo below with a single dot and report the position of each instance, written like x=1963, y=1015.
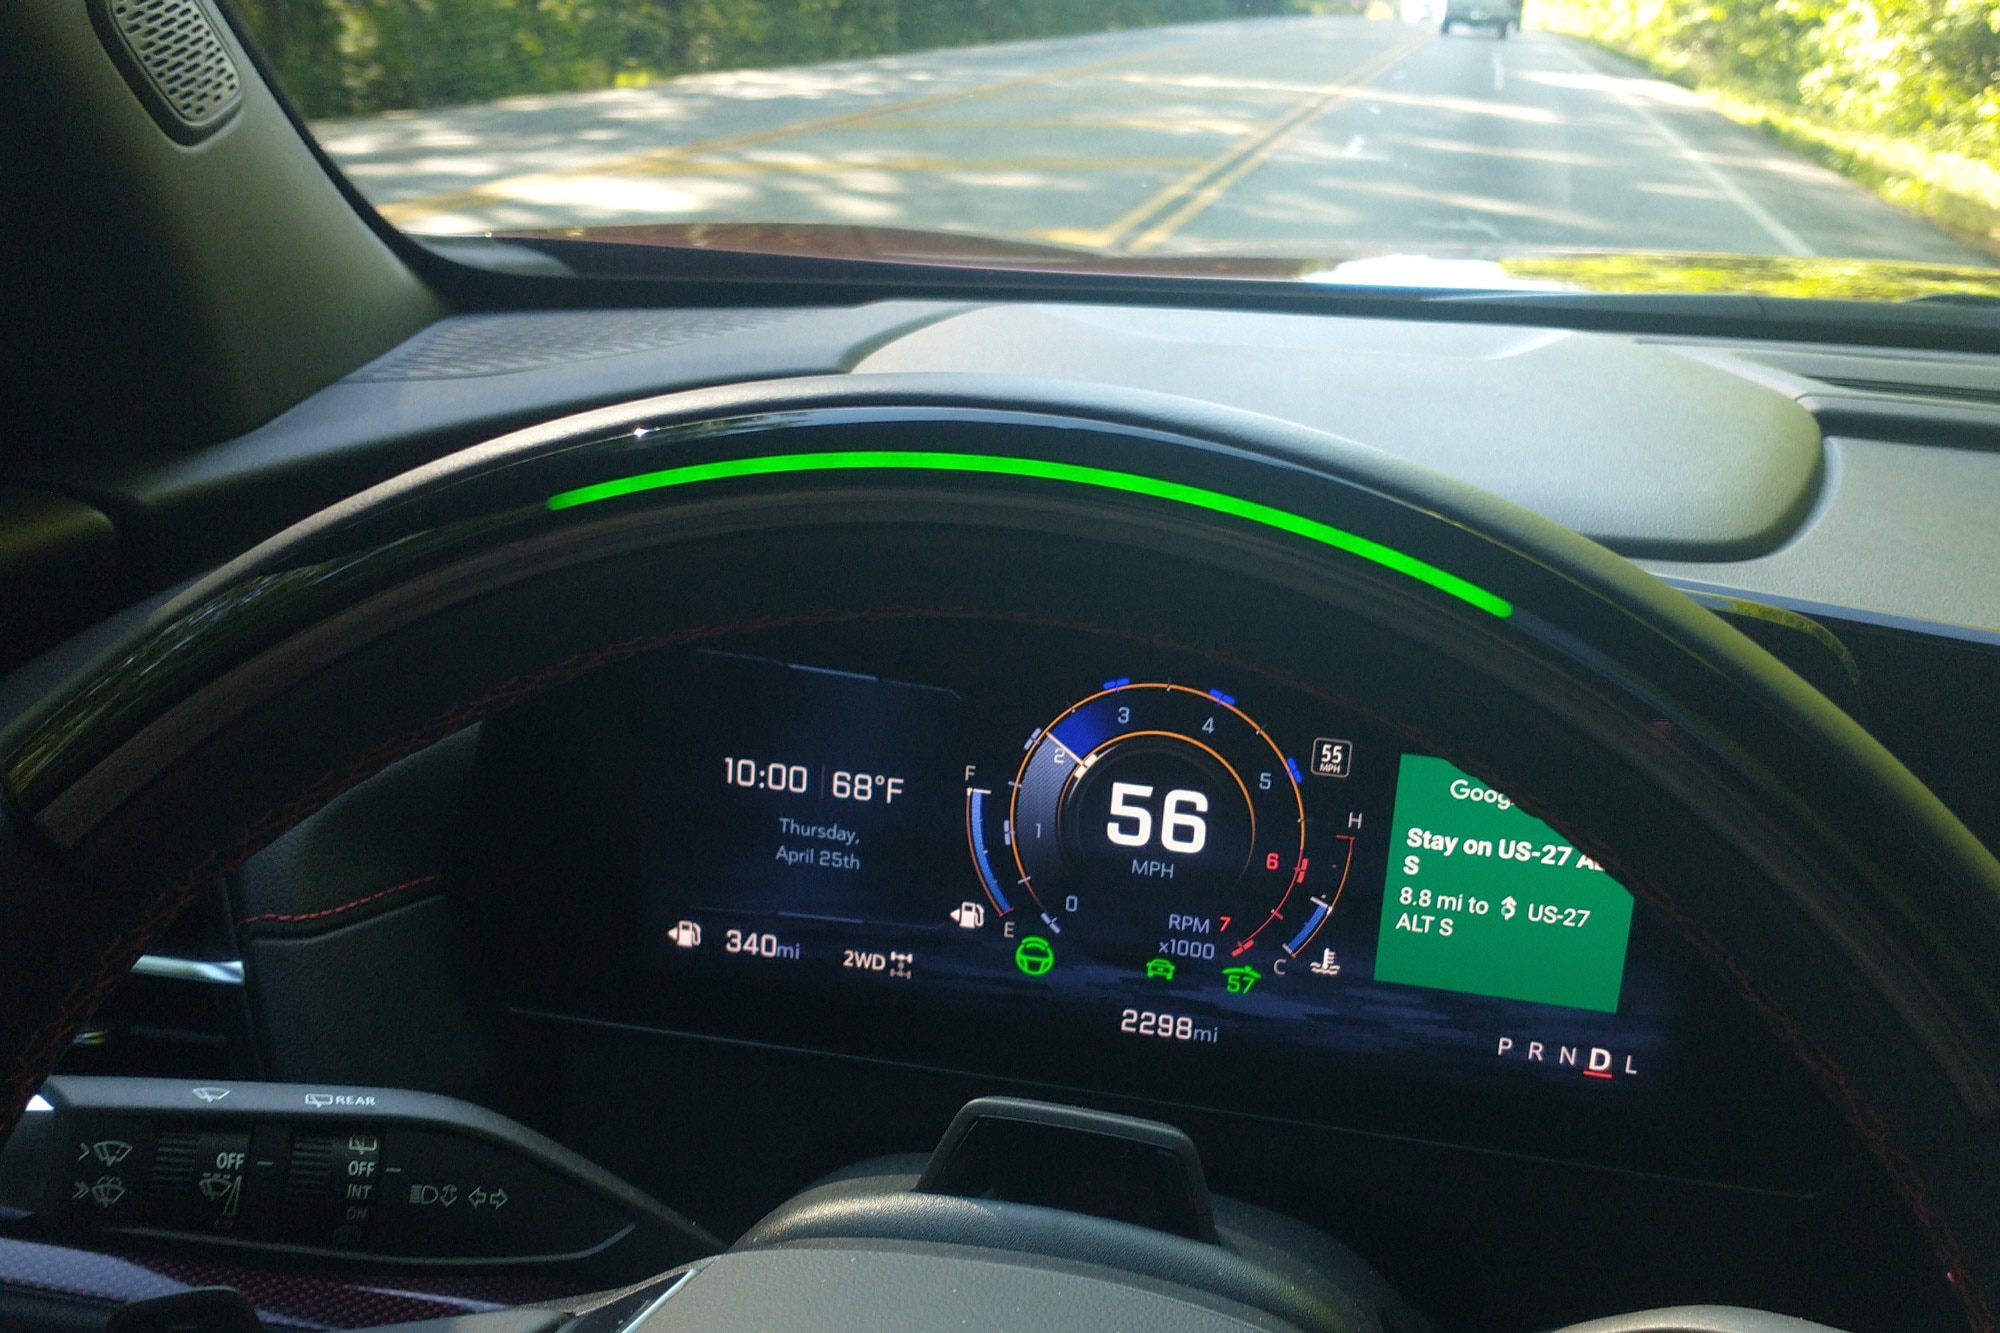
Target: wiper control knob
x=367, y=1172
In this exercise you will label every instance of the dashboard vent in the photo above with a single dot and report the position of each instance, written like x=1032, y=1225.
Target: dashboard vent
x=172, y=53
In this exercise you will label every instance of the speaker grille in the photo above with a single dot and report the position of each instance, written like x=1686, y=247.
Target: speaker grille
x=473, y=345
x=181, y=56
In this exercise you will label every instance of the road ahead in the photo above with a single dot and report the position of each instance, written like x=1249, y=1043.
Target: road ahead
x=1295, y=137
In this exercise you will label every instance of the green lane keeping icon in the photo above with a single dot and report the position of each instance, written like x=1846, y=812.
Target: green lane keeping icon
x=1163, y=968
x=1035, y=956
x=1239, y=980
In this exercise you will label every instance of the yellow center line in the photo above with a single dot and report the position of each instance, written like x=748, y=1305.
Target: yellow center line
x=407, y=211
x=1158, y=217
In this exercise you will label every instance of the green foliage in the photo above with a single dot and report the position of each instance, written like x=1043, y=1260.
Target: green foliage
x=1765, y=275
x=349, y=57
x=1925, y=69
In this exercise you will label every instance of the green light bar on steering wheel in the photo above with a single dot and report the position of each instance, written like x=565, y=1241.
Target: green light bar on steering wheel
x=855, y=460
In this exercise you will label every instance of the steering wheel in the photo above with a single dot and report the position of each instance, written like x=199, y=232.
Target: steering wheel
x=1823, y=882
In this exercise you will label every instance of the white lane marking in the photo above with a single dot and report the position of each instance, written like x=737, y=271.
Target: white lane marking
x=1499, y=73
x=1790, y=240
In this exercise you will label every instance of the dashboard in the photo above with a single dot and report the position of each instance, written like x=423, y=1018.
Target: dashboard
x=737, y=836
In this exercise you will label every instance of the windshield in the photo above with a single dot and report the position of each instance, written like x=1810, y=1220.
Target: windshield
x=1453, y=143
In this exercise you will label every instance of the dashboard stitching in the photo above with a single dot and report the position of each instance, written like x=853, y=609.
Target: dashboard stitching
x=363, y=901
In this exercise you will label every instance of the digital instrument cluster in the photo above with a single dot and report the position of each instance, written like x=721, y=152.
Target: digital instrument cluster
x=1167, y=867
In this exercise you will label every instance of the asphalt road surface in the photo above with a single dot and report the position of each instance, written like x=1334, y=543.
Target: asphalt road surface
x=1290, y=137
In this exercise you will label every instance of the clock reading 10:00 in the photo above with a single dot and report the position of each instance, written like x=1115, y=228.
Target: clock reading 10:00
x=799, y=779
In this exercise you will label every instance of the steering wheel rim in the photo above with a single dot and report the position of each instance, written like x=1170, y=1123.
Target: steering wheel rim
x=97, y=774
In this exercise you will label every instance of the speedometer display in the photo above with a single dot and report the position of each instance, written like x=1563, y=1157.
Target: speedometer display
x=1195, y=867
x=1144, y=792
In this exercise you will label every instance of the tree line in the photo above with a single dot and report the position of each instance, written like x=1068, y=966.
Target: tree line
x=351, y=57
x=1923, y=69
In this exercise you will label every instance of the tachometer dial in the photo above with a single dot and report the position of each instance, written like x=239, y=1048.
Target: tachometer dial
x=1153, y=795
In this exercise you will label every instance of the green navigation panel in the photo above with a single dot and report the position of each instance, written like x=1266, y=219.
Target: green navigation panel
x=1484, y=898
